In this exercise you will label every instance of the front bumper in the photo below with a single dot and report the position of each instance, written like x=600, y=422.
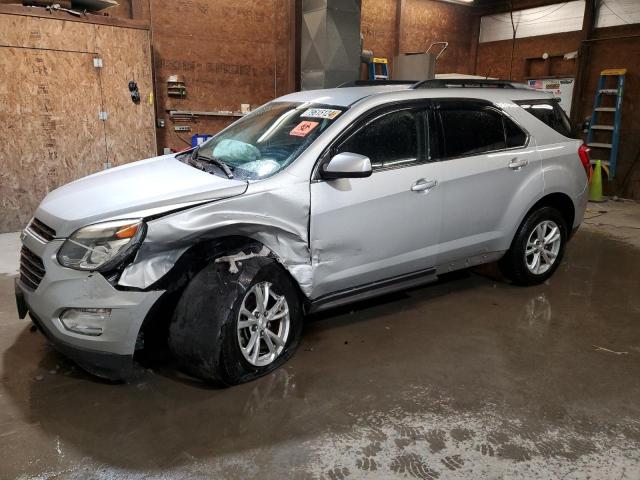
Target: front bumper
x=109, y=354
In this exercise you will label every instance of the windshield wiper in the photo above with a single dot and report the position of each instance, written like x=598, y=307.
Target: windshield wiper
x=195, y=155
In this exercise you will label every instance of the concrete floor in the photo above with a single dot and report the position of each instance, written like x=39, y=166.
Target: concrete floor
x=468, y=378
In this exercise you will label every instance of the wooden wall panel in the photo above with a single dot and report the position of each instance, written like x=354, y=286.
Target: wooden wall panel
x=284, y=34
x=140, y=9
x=494, y=57
x=50, y=97
x=229, y=52
x=50, y=131
x=130, y=127
x=34, y=32
x=378, y=27
x=423, y=22
x=124, y=10
x=426, y=21
x=139, y=17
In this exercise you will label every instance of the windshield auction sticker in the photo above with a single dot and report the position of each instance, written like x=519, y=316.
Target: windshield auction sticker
x=327, y=113
x=303, y=129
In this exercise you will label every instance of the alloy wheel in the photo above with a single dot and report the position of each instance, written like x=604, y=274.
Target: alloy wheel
x=263, y=324
x=543, y=247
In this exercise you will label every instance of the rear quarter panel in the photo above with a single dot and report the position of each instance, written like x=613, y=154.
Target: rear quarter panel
x=563, y=173
x=561, y=166
x=561, y=170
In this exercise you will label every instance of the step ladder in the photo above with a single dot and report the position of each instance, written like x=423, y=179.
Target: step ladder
x=376, y=73
x=605, y=125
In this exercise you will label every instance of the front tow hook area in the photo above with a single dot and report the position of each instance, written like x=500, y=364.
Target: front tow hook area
x=21, y=303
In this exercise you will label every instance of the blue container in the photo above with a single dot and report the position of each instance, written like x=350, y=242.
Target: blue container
x=199, y=139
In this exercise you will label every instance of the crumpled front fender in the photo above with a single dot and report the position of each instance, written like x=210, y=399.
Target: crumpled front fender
x=276, y=217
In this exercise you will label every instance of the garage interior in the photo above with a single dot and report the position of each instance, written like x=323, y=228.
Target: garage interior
x=470, y=377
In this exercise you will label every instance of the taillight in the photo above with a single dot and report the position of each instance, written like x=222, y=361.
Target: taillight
x=583, y=153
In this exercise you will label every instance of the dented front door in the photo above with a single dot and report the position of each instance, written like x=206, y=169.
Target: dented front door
x=365, y=230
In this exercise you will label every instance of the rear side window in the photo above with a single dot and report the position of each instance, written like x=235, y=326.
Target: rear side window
x=515, y=135
x=469, y=131
x=472, y=130
x=389, y=140
x=549, y=112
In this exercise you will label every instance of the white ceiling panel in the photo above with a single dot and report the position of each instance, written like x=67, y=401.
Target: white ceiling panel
x=618, y=12
x=556, y=18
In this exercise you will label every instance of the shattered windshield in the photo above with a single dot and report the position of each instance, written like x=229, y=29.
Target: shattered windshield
x=268, y=139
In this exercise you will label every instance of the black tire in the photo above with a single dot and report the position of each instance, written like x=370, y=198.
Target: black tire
x=203, y=333
x=513, y=265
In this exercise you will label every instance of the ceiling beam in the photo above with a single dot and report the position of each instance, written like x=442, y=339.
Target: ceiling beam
x=489, y=7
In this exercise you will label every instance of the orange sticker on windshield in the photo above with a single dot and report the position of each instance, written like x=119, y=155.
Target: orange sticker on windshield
x=303, y=129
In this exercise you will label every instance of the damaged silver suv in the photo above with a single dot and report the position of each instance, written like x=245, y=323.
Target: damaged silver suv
x=317, y=199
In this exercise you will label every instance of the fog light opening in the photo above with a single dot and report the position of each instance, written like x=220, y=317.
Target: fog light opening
x=85, y=321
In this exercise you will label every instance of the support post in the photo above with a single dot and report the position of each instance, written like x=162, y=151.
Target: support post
x=400, y=4
x=582, y=73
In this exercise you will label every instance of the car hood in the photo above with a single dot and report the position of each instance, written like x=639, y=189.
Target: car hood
x=138, y=189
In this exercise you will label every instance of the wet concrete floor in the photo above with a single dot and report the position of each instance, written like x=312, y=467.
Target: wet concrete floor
x=467, y=378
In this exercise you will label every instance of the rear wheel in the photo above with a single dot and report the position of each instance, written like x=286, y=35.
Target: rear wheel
x=537, y=249
x=236, y=321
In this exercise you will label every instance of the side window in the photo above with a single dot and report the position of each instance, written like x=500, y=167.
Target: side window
x=549, y=112
x=388, y=140
x=515, y=135
x=471, y=131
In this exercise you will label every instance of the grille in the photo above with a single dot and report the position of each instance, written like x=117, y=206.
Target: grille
x=31, y=268
x=41, y=230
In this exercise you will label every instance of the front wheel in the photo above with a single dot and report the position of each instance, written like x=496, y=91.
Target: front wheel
x=537, y=249
x=263, y=324
x=236, y=321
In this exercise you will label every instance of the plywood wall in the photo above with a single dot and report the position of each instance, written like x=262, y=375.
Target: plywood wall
x=494, y=58
x=228, y=51
x=50, y=98
x=130, y=128
x=42, y=145
x=123, y=10
x=422, y=22
x=378, y=27
x=427, y=21
x=237, y=52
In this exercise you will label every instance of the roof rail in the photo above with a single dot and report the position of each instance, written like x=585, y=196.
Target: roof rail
x=373, y=83
x=468, y=83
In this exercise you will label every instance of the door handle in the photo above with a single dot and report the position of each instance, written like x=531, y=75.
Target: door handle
x=424, y=185
x=517, y=164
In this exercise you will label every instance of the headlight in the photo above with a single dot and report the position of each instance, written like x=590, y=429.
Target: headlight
x=101, y=246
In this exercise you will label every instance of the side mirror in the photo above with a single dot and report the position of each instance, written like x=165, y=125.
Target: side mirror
x=346, y=165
